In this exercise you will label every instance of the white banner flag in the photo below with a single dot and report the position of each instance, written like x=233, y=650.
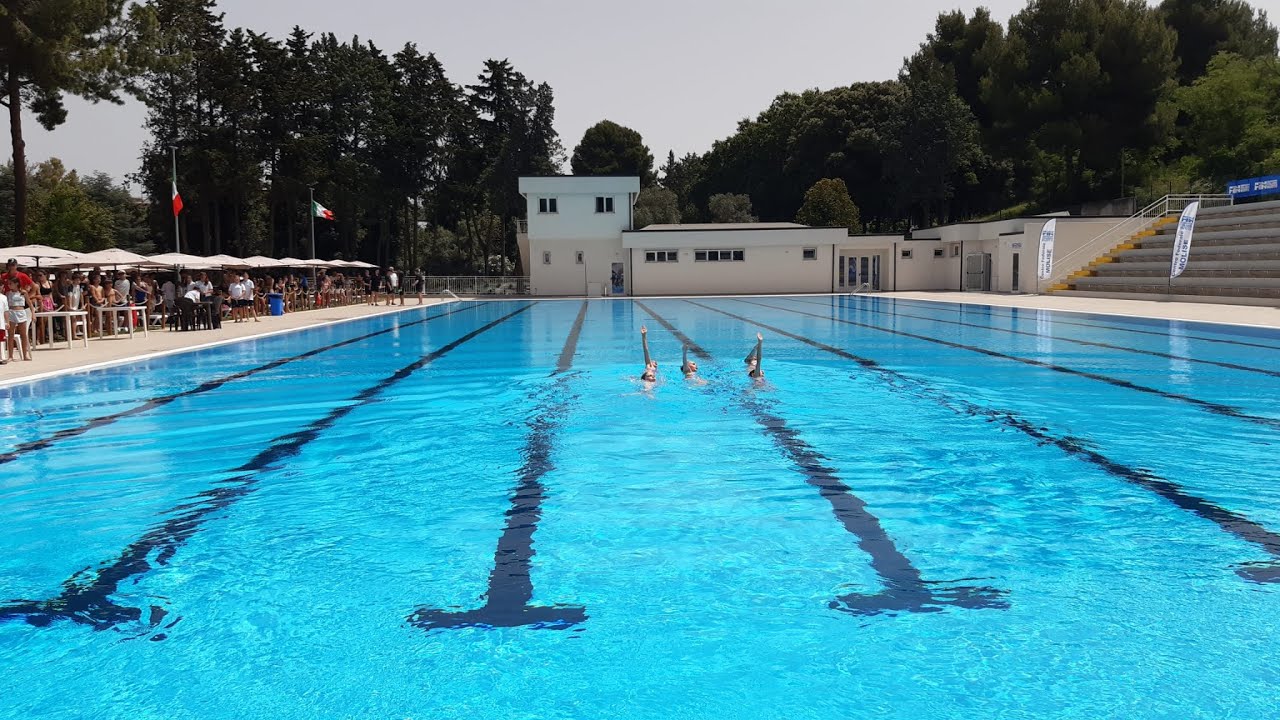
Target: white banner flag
x=1182, y=243
x=1045, y=268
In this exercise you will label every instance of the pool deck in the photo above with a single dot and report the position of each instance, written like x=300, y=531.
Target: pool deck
x=59, y=360
x=1256, y=316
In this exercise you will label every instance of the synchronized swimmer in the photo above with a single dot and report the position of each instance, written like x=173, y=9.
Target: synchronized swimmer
x=689, y=367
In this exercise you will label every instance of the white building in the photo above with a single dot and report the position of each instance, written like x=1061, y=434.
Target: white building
x=578, y=240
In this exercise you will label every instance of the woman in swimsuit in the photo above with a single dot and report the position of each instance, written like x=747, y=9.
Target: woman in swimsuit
x=754, y=359
x=650, y=373
x=18, y=319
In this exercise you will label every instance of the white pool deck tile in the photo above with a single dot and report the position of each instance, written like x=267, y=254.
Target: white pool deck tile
x=114, y=351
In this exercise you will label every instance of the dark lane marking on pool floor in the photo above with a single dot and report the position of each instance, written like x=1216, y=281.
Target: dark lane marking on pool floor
x=86, y=596
x=162, y=400
x=1057, y=319
x=1089, y=343
x=905, y=589
x=510, y=592
x=1213, y=407
x=1229, y=521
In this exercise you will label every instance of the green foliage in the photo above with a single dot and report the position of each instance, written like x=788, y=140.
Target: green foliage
x=52, y=48
x=827, y=204
x=730, y=208
x=65, y=212
x=682, y=177
x=1232, y=113
x=608, y=148
x=656, y=206
x=1208, y=27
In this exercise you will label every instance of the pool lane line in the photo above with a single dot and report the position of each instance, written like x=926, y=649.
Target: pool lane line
x=162, y=400
x=1208, y=405
x=905, y=589
x=1073, y=313
x=1089, y=343
x=86, y=596
x=508, y=600
x=1229, y=521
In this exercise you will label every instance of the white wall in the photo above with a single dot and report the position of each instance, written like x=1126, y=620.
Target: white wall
x=765, y=269
x=564, y=276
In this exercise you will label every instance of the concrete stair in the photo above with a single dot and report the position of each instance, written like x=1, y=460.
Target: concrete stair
x=1235, y=257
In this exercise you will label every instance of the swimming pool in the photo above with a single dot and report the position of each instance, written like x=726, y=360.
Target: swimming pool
x=475, y=511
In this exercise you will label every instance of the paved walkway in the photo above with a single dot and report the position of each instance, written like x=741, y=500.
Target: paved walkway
x=1199, y=312
x=113, y=351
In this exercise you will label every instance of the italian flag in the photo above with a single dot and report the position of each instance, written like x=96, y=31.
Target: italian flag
x=321, y=211
x=177, y=199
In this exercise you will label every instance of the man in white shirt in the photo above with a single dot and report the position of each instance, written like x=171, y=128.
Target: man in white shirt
x=237, y=299
x=250, y=290
x=393, y=286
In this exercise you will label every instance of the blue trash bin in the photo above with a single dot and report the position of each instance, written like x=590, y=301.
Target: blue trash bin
x=276, y=303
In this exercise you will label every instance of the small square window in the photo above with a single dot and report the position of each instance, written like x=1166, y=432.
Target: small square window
x=937, y=252
x=700, y=256
x=906, y=254
x=651, y=256
x=604, y=204
x=546, y=257
x=578, y=257
x=547, y=205
x=739, y=255
x=955, y=251
x=810, y=253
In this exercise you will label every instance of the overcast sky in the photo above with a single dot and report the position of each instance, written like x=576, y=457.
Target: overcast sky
x=681, y=72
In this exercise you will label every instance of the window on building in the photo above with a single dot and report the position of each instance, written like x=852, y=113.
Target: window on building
x=547, y=205
x=906, y=254
x=661, y=256
x=719, y=255
x=810, y=253
x=937, y=252
x=955, y=251
x=546, y=257
x=604, y=204
x=578, y=257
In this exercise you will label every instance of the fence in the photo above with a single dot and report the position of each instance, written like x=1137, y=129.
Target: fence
x=471, y=284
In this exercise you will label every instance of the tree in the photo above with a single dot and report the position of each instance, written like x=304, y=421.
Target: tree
x=656, y=206
x=729, y=208
x=52, y=48
x=827, y=204
x=62, y=213
x=608, y=148
x=1076, y=83
x=682, y=177
x=1231, y=113
x=1208, y=27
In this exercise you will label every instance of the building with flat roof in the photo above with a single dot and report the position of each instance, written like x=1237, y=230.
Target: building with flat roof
x=579, y=239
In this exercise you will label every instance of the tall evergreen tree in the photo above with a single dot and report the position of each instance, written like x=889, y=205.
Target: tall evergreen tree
x=608, y=148
x=1208, y=27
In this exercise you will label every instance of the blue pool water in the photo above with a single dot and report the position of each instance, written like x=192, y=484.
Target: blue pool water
x=476, y=511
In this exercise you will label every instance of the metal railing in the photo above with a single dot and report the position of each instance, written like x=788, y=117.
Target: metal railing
x=1080, y=258
x=471, y=284
x=522, y=226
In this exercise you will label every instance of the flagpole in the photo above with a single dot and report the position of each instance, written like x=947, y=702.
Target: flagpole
x=311, y=210
x=177, y=233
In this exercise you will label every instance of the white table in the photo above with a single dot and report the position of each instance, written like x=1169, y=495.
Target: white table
x=48, y=317
x=115, y=310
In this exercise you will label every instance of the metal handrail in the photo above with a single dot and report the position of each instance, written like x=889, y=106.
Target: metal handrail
x=1080, y=258
x=470, y=285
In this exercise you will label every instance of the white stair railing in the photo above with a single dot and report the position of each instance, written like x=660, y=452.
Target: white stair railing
x=1080, y=258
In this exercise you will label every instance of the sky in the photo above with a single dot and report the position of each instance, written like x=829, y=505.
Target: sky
x=681, y=73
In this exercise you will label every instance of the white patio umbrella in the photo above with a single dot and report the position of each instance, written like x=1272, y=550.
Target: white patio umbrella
x=115, y=257
x=314, y=262
x=292, y=262
x=183, y=260
x=336, y=264
x=28, y=255
x=260, y=261
x=361, y=264
x=225, y=261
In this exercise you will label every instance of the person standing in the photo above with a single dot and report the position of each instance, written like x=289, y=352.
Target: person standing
x=393, y=286
x=18, y=320
x=237, y=299
x=250, y=292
